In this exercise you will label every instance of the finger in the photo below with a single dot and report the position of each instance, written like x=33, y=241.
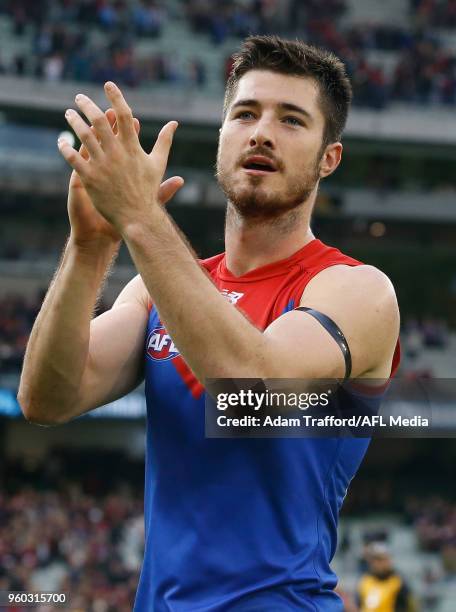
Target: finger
x=83, y=132
x=75, y=159
x=97, y=118
x=123, y=113
x=111, y=116
x=111, y=119
x=169, y=188
x=83, y=152
x=162, y=147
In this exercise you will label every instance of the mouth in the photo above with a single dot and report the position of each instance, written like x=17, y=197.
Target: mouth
x=259, y=165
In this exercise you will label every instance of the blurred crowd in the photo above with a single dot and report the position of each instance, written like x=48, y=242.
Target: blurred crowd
x=420, y=336
x=239, y=18
x=428, y=332
x=438, y=13
x=17, y=315
x=433, y=520
x=74, y=529
x=435, y=525
x=97, y=40
x=424, y=71
x=385, y=576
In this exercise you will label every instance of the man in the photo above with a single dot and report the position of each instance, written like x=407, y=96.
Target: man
x=233, y=524
x=382, y=589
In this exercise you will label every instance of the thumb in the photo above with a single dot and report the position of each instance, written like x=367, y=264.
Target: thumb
x=169, y=188
x=162, y=146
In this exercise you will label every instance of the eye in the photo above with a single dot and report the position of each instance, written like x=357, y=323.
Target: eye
x=244, y=115
x=292, y=120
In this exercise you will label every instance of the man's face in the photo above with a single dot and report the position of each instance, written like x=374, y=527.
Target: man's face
x=380, y=565
x=270, y=146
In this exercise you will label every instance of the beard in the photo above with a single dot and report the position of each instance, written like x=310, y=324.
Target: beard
x=254, y=201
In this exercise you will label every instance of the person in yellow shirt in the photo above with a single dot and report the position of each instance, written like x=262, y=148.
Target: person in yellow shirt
x=381, y=588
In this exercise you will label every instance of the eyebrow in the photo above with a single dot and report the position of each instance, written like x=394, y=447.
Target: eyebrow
x=287, y=106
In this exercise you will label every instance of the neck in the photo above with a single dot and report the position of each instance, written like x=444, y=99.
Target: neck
x=252, y=243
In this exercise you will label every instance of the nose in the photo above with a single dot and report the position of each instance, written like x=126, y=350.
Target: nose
x=262, y=135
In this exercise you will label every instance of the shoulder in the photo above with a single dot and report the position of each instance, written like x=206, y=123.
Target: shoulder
x=134, y=292
x=363, y=284
x=356, y=274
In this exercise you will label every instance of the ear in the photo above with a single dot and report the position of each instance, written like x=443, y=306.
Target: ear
x=330, y=159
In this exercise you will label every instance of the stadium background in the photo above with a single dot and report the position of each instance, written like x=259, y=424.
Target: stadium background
x=71, y=497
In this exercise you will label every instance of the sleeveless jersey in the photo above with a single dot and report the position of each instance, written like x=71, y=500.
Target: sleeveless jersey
x=239, y=524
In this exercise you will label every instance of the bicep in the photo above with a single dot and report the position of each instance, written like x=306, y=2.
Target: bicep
x=115, y=359
x=362, y=304
x=303, y=347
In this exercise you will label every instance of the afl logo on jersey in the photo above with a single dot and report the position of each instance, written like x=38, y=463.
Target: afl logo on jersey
x=160, y=347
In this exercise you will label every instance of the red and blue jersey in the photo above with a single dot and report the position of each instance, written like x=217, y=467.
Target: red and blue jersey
x=239, y=524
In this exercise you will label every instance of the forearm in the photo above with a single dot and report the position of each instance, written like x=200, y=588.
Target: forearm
x=214, y=338
x=58, y=347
